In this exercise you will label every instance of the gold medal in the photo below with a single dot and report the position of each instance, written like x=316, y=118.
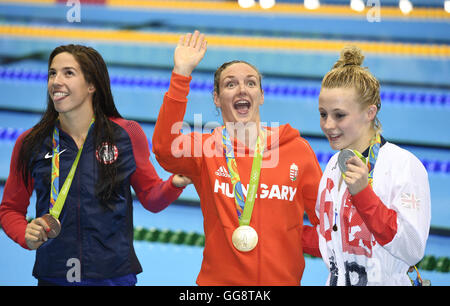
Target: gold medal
x=54, y=224
x=244, y=238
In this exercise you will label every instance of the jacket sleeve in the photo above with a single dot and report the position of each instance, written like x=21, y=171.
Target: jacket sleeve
x=310, y=183
x=402, y=225
x=310, y=186
x=310, y=240
x=176, y=152
x=16, y=198
x=154, y=193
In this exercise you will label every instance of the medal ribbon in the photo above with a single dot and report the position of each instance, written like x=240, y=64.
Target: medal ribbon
x=58, y=197
x=375, y=145
x=244, y=207
x=374, y=148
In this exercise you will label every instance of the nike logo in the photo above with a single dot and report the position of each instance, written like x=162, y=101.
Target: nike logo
x=49, y=155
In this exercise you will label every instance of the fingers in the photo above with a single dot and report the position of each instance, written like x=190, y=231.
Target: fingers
x=181, y=40
x=352, y=175
x=356, y=165
x=195, y=40
x=37, y=230
x=41, y=222
x=356, y=176
x=181, y=180
x=199, y=44
x=187, y=39
x=350, y=178
x=189, y=52
x=355, y=161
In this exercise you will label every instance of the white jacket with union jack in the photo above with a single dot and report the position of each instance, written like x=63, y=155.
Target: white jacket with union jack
x=373, y=237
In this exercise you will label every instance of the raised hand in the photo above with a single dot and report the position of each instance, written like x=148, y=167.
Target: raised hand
x=189, y=52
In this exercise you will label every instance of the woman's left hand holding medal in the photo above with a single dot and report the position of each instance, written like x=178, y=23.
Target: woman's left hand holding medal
x=36, y=233
x=356, y=175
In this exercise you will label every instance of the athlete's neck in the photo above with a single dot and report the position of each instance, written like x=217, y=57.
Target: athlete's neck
x=77, y=126
x=246, y=133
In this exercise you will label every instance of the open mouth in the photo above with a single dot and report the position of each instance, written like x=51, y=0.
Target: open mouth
x=59, y=95
x=334, y=137
x=242, y=106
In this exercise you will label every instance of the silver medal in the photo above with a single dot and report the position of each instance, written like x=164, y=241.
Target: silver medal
x=343, y=156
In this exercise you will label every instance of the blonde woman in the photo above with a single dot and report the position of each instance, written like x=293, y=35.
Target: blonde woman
x=374, y=207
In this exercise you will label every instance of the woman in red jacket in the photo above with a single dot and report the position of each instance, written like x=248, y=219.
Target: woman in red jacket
x=254, y=182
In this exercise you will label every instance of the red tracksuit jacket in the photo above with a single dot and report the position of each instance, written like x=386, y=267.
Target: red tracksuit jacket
x=288, y=186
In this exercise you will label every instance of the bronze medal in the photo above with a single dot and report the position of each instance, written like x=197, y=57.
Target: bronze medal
x=54, y=224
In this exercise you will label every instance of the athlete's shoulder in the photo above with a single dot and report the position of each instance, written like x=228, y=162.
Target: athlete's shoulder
x=132, y=128
x=400, y=158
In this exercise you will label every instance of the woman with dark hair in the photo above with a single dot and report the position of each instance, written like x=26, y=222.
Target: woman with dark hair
x=81, y=159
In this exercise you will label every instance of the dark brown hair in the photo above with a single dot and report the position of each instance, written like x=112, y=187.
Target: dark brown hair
x=95, y=72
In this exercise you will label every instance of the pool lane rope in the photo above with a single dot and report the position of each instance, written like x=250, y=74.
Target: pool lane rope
x=192, y=238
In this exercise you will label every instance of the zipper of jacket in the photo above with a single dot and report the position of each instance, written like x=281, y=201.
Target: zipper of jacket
x=80, y=242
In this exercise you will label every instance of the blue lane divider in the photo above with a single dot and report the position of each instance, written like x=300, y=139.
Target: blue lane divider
x=433, y=166
x=10, y=134
x=401, y=97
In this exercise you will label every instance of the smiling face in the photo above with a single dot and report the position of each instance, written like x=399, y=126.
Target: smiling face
x=67, y=86
x=240, y=94
x=343, y=120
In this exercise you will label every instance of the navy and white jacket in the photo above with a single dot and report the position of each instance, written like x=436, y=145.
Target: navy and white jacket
x=101, y=239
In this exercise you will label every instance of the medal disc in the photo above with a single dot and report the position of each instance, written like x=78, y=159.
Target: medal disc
x=244, y=238
x=343, y=156
x=54, y=224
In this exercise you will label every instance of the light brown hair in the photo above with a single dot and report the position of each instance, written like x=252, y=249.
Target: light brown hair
x=219, y=71
x=348, y=73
